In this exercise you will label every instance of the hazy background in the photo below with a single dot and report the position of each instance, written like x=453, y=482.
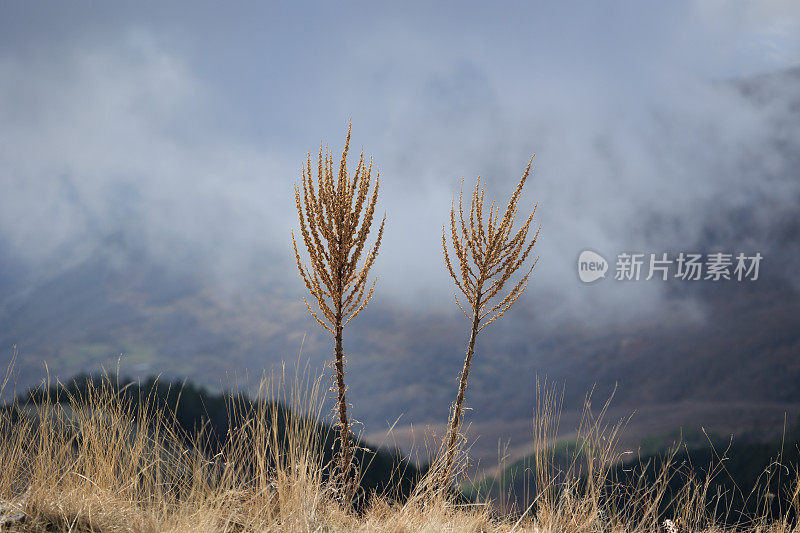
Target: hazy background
x=148, y=153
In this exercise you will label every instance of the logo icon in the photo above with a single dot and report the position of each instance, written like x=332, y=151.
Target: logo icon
x=591, y=266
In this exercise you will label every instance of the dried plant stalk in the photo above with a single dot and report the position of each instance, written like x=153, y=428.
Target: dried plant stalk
x=487, y=253
x=335, y=220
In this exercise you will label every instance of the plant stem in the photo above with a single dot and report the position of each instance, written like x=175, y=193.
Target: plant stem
x=456, y=420
x=345, y=451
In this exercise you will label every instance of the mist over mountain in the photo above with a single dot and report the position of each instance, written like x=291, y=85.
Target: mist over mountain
x=118, y=303
x=145, y=207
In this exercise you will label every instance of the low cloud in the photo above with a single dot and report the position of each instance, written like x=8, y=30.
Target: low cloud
x=640, y=152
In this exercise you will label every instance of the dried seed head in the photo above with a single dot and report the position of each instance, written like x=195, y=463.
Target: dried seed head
x=336, y=213
x=488, y=252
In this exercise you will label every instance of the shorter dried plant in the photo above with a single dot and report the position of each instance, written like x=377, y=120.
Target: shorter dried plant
x=487, y=252
x=335, y=220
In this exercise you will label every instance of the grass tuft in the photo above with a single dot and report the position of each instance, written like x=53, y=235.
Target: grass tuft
x=98, y=462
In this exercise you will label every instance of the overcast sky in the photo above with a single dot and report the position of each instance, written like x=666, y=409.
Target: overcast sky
x=186, y=124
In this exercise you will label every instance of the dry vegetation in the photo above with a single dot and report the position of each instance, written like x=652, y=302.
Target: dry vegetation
x=97, y=464
x=489, y=252
x=335, y=221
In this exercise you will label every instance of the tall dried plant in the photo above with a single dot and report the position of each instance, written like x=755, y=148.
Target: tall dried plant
x=488, y=252
x=335, y=220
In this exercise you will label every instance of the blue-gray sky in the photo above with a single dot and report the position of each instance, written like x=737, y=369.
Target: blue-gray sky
x=185, y=123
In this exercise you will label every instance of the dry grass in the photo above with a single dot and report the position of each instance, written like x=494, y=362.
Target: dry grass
x=98, y=464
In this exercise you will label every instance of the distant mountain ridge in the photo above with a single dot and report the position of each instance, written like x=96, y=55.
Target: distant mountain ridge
x=117, y=300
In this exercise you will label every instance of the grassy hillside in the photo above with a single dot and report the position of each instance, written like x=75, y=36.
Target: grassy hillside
x=748, y=477
x=745, y=350
x=102, y=456
x=208, y=422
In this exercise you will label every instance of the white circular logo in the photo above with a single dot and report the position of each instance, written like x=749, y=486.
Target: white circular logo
x=591, y=266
